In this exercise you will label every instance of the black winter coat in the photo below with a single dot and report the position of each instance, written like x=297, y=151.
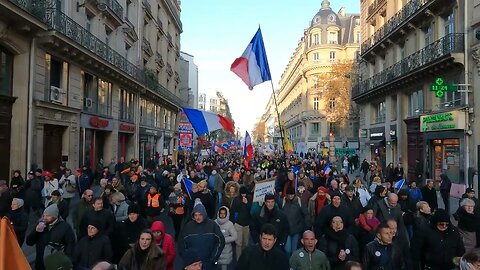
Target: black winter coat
x=430, y=196
x=275, y=217
x=332, y=248
x=255, y=257
x=104, y=217
x=59, y=235
x=381, y=257
x=354, y=205
x=33, y=192
x=240, y=212
x=439, y=248
x=91, y=250
x=19, y=218
x=322, y=221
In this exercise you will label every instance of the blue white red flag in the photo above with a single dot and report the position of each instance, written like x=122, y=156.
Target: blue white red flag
x=252, y=66
x=204, y=122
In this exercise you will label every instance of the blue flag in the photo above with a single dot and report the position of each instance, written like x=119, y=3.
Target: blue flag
x=188, y=186
x=399, y=184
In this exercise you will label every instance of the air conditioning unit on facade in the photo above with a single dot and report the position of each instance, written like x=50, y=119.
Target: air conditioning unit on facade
x=56, y=95
x=88, y=103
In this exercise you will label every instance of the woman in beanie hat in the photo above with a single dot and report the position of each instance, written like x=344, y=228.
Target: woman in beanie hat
x=19, y=219
x=366, y=225
x=439, y=243
x=144, y=255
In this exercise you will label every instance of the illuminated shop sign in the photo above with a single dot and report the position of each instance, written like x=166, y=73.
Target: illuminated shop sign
x=443, y=121
x=440, y=87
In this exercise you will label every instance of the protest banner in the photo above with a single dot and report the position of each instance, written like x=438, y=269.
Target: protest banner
x=262, y=188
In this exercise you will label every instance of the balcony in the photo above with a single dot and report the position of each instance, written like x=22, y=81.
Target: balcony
x=170, y=40
x=159, y=60
x=129, y=30
x=428, y=61
x=111, y=8
x=148, y=8
x=311, y=115
x=374, y=6
x=410, y=16
x=146, y=47
x=379, y=119
x=169, y=70
x=87, y=48
x=151, y=81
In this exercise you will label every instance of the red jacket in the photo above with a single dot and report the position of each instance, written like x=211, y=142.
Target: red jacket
x=165, y=242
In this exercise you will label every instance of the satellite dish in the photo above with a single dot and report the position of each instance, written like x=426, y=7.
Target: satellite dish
x=102, y=7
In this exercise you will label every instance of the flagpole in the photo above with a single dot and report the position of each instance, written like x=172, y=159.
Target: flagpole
x=279, y=122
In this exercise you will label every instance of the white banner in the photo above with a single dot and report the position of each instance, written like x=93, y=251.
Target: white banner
x=262, y=188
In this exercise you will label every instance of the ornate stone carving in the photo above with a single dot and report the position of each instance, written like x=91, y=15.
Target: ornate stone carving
x=476, y=57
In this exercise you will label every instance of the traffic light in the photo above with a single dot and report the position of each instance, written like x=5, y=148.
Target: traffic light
x=330, y=134
x=346, y=144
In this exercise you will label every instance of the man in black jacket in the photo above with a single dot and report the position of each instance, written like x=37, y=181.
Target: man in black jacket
x=429, y=195
x=266, y=255
x=241, y=218
x=92, y=248
x=50, y=234
x=381, y=253
x=352, y=202
x=439, y=244
x=445, y=187
x=270, y=214
x=105, y=217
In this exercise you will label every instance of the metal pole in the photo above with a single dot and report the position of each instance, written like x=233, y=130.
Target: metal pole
x=279, y=122
x=466, y=63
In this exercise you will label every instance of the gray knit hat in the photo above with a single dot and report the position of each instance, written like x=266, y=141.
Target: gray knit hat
x=52, y=210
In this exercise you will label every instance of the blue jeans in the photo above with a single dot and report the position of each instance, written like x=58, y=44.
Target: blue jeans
x=292, y=244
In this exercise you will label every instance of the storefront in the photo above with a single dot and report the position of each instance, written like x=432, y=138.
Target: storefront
x=95, y=139
x=150, y=141
x=377, y=145
x=126, y=141
x=444, y=139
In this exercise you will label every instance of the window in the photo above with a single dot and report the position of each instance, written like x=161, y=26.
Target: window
x=357, y=37
x=332, y=37
x=88, y=23
x=332, y=104
x=6, y=72
x=314, y=128
x=108, y=36
x=316, y=103
x=415, y=103
x=316, y=39
x=97, y=95
x=127, y=106
x=428, y=35
x=56, y=79
x=381, y=112
x=315, y=82
x=333, y=56
x=450, y=24
x=316, y=56
x=104, y=97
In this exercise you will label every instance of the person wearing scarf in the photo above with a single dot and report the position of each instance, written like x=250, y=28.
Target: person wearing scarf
x=468, y=224
x=317, y=202
x=339, y=245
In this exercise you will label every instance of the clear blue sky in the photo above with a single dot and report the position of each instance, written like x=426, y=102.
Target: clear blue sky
x=216, y=32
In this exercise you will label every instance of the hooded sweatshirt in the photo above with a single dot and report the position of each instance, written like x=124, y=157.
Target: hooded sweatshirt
x=165, y=242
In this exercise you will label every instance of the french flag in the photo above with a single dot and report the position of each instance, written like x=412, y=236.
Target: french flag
x=252, y=66
x=327, y=169
x=204, y=122
x=247, y=149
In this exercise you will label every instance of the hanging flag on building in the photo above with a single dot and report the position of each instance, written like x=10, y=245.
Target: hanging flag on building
x=252, y=66
x=247, y=149
x=204, y=122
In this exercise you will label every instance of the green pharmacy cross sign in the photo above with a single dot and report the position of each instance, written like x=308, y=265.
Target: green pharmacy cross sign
x=440, y=87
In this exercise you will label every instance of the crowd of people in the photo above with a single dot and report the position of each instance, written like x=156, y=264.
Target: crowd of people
x=316, y=217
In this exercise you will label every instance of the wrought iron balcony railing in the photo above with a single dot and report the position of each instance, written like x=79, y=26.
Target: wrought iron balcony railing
x=374, y=6
x=60, y=22
x=450, y=43
x=114, y=6
x=402, y=16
